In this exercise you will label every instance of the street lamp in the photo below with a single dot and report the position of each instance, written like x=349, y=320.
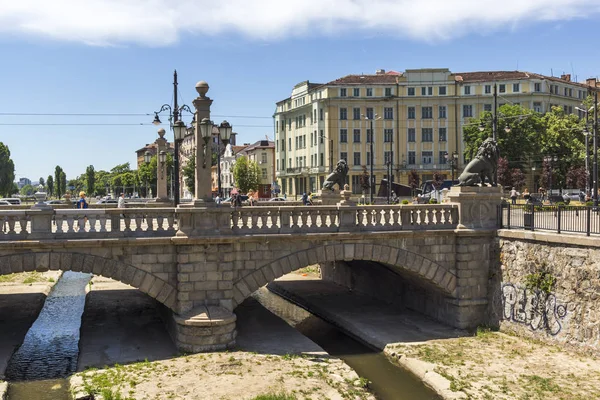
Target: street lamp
x=595, y=141
x=452, y=161
x=206, y=126
x=372, y=177
x=224, y=135
x=179, y=130
x=548, y=160
x=533, y=178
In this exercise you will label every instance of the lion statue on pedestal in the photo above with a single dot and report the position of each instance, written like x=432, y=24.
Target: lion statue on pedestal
x=484, y=165
x=338, y=176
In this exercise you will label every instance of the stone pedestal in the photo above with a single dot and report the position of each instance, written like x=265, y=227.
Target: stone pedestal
x=205, y=328
x=345, y=198
x=204, y=220
x=477, y=206
x=329, y=197
x=41, y=221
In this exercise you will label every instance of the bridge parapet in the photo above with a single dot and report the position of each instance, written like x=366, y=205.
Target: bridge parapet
x=191, y=221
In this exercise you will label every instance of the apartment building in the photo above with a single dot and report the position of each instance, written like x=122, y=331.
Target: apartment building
x=263, y=153
x=416, y=117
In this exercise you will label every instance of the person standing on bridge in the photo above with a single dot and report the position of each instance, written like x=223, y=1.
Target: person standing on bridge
x=121, y=202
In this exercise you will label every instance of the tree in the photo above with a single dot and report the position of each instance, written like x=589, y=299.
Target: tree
x=503, y=172
x=438, y=179
x=246, y=174
x=121, y=168
x=27, y=190
x=50, y=184
x=577, y=177
x=90, y=179
x=41, y=180
x=189, y=174
x=63, y=182
x=57, y=182
x=517, y=178
x=365, y=183
x=7, y=171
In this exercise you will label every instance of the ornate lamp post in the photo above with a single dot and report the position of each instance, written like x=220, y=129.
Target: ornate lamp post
x=179, y=130
x=224, y=135
x=147, y=158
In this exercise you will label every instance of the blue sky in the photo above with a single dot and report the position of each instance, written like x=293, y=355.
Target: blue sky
x=118, y=57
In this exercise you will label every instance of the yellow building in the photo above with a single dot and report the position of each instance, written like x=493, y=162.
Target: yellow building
x=417, y=118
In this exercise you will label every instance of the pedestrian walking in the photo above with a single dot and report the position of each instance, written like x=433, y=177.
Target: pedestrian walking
x=513, y=195
x=121, y=201
x=304, y=199
x=218, y=200
x=82, y=204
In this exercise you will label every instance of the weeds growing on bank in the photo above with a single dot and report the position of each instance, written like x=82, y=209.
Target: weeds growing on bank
x=273, y=396
x=25, y=277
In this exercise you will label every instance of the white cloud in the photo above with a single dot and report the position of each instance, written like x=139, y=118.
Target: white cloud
x=161, y=22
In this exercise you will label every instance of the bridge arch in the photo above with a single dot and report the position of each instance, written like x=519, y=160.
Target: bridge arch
x=128, y=274
x=431, y=272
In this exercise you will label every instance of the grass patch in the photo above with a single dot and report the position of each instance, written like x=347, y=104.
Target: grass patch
x=275, y=396
x=23, y=277
x=311, y=269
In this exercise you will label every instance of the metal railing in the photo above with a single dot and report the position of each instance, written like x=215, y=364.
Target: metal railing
x=559, y=218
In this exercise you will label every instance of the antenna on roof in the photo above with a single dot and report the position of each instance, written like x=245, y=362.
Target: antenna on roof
x=551, y=72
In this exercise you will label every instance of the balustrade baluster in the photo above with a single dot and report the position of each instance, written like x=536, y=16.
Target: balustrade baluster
x=438, y=216
x=160, y=221
x=70, y=223
x=235, y=218
x=149, y=223
x=387, y=217
x=264, y=216
x=254, y=219
x=127, y=221
x=304, y=216
x=92, y=220
x=81, y=223
x=11, y=225
x=171, y=221
x=138, y=222
x=102, y=219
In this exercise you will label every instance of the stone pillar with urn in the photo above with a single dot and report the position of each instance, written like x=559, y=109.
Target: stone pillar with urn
x=161, y=168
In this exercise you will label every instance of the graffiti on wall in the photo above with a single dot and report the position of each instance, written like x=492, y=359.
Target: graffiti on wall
x=539, y=310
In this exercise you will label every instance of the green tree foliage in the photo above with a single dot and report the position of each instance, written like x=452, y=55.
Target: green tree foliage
x=50, y=184
x=246, y=174
x=63, y=182
x=577, y=177
x=189, y=174
x=57, y=182
x=90, y=177
x=41, y=180
x=7, y=171
x=27, y=190
x=121, y=168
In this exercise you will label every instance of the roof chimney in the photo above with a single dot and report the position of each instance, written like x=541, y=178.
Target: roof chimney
x=566, y=77
x=591, y=82
x=380, y=72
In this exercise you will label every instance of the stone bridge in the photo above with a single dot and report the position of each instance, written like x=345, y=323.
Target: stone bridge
x=201, y=262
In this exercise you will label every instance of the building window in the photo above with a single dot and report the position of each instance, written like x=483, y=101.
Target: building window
x=467, y=89
x=423, y=91
x=344, y=156
x=442, y=157
x=411, y=113
x=566, y=91
x=516, y=88
x=388, y=135
x=290, y=143
x=356, y=136
x=387, y=156
x=369, y=136
x=357, y=158
x=427, y=134
x=264, y=173
x=343, y=135
x=537, y=106
x=368, y=158
x=321, y=136
x=442, y=134
x=426, y=112
x=263, y=158
x=467, y=110
x=388, y=92
x=488, y=89
x=343, y=92
x=314, y=115
x=442, y=90
x=388, y=113
x=321, y=159
x=412, y=135
x=320, y=114
x=442, y=112
x=343, y=113
x=502, y=88
x=370, y=113
x=427, y=157
x=412, y=158
x=369, y=92
x=356, y=113
x=487, y=107
x=411, y=91
x=356, y=92
x=537, y=87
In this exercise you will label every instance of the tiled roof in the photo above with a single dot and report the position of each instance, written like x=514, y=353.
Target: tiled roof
x=383, y=79
x=259, y=145
x=490, y=76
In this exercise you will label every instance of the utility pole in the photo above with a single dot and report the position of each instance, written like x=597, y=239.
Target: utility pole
x=372, y=189
x=495, y=129
x=596, y=147
x=176, y=149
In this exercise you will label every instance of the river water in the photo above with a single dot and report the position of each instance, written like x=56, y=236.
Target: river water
x=51, y=345
x=388, y=380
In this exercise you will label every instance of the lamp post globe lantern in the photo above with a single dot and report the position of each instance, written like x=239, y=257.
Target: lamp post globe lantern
x=224, y=135
x=179, y=129
x=225, y=131
x=206, y=129
x=147, y=156
x=162, y=157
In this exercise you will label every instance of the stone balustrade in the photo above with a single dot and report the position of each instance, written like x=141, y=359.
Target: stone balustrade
x=135, y=222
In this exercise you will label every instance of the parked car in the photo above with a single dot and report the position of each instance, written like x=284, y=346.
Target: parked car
x=243, y=197
x=4, y=203
x=428, y=187
x=107, y=201
x=13, y=200
x=278, y=199
x=50, y=202
x=572, y=196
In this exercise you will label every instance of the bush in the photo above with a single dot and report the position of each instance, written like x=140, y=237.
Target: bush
x=589, y=203
x=405, y=201
x=432, y=201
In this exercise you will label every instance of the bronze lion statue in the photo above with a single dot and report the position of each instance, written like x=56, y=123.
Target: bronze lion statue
x=338, y=176
x=483, y=166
